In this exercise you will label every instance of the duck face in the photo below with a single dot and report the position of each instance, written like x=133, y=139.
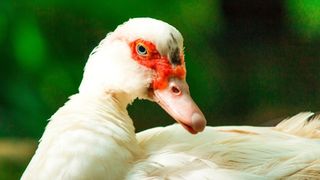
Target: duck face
x=144, y=58
x=169, y=87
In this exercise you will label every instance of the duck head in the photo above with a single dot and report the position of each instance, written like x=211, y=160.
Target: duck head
x=143, y=58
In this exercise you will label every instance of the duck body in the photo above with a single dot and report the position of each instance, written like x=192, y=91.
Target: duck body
x=93, y=137
x=289, y=150
x=102, y=144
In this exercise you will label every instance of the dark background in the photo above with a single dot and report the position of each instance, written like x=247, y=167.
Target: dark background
x=248, y=62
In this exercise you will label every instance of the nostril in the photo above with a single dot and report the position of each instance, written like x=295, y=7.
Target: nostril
x=175, y=90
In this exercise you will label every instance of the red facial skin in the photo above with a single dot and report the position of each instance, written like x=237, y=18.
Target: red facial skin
x=160, y=64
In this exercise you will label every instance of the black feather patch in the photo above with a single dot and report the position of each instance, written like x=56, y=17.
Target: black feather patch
x=174, y=51
x=175, y=57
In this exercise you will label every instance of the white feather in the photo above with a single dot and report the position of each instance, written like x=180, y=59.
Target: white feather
x=92, y=136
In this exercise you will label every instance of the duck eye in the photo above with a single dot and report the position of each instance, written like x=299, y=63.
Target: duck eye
x=141, y=50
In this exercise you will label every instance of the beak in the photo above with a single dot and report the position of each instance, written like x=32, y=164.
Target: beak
x=176, y=100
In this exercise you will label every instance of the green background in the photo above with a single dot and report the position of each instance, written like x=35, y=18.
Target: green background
x=248, y=62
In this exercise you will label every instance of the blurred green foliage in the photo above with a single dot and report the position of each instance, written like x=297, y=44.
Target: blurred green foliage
x=248, y=62
x=29, y=47
x=305, y=17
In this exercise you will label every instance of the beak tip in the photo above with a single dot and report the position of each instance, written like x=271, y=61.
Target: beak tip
x=198, y=122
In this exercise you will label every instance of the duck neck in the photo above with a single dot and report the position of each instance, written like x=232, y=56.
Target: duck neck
x=101, y=126
x=102, y=113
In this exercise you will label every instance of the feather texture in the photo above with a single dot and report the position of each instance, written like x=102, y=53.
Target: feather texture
x=101, y=144
x=88, y=138
x=93, y=137
x=236, y=152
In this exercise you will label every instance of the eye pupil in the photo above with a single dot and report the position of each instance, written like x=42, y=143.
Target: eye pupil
x=141, y=50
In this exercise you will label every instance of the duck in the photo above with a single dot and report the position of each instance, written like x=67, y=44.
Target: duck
x=93, y=137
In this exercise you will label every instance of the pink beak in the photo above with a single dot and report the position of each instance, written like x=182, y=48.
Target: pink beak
x=176, y=100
